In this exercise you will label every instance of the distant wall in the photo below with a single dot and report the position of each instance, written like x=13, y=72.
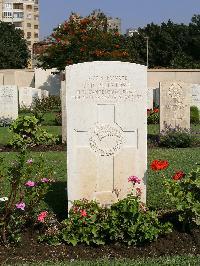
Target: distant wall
x=185, y=75
x=17, y=77
x=49, y=80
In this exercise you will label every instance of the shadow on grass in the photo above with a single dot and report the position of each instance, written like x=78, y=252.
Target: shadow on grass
x=56, y=198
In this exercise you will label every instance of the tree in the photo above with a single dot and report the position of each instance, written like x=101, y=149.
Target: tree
x=14, y=52
x=84, y=39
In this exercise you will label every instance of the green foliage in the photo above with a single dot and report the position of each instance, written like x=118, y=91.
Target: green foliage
x=5, y=122
x=27, y=132
x=175, y=138
x=29, y=182
x=14, y=52
x=84, y=40
x=153, y=116
x=194, y=115
x=49, y=104
x=58, y=119
x=127, y=221
x=184, y=193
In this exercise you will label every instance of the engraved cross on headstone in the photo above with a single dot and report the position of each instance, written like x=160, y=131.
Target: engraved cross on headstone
x=106, y=138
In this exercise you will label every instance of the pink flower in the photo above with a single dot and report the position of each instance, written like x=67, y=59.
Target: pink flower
x=45, y=180
x=30, y=161
x=42, y=216
x=30, y=184
x=20, y=205
x=134, y=179
x=83, y=213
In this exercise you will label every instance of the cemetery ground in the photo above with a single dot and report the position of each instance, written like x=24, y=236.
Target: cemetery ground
x=175, y=245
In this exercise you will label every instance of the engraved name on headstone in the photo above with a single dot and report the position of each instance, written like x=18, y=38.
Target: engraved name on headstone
x=106, y=130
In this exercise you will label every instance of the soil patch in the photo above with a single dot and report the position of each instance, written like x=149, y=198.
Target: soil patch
x=175, y=243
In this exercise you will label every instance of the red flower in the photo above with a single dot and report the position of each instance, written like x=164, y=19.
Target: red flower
x=156, y=110
x=159, y=165
x=178, y=175
x=42, y=216
x=83, y=213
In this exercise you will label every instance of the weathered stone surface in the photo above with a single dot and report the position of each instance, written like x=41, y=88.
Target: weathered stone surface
x=8, y=102
x=174, y=105
x=106, y=130
x=150, y=91
x=36, y=93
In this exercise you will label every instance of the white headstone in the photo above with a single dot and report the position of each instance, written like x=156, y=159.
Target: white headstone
x=8, y=102
x=106, y=130
x=44, y=94
x=36, y=94
x=64, y=118
x=195, y=95
x=174, y=105
x=25, y=97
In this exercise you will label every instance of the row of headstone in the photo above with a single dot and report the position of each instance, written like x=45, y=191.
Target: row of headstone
x=12, y=97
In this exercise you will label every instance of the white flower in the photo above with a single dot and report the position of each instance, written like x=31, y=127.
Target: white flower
x=3, y=199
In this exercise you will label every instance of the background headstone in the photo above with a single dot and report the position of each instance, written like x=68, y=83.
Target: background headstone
x=44, y=94
x=156, y=97
x=174, y=105
x=150, y=98
x=106, y=130
x=25, y=97
x=8, y=102
x=36, y=93
x=195, y=90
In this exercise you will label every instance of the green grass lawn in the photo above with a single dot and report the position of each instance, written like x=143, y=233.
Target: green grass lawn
x=179, y=159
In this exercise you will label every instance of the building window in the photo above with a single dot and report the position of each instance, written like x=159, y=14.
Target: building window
x=28, y=25
x=8, y=5
x=7, y=14
x=28, y=35
x=18, y=24
x=28, y=7
x=36, y=27
x=17, y=6
x=29, y=16
x=18, y=15
x=36, y=35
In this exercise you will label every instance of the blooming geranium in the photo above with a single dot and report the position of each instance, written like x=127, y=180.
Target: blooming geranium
x=45, y=180
x=83, y=213
x=20, y=205
x=159, y=165
x=30, y=184
x=134, y=179
x=42, y=216
x=30, y=161
x=178, y=175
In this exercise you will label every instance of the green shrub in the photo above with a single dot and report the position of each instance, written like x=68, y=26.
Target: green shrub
x=153, y=116
x=194, y=115
x=27, y=132
x=127, y=221
x=58, y=119
x=175, y=138
x=49, y=104
x=29, y=181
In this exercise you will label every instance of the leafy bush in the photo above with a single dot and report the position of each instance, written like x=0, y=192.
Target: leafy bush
x=27, y=131
x=5, y=122
x=184, y=192
x=194, y=115
x=51, y=103
x=153, y=116
x=175, y=138
x=29, y=182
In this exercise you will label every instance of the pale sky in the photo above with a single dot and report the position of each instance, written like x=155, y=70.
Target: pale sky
x=134, y=13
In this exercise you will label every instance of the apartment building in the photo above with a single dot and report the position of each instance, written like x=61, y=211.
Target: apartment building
x=24, y=14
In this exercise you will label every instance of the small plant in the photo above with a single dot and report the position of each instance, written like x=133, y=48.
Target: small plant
x=49, y=104
x=175, y=138
x=153, y=116
x=29, y=182
x=194, y=115
x=183, y=190
x=127, y=221
x=27, y=132
x=58, y=119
